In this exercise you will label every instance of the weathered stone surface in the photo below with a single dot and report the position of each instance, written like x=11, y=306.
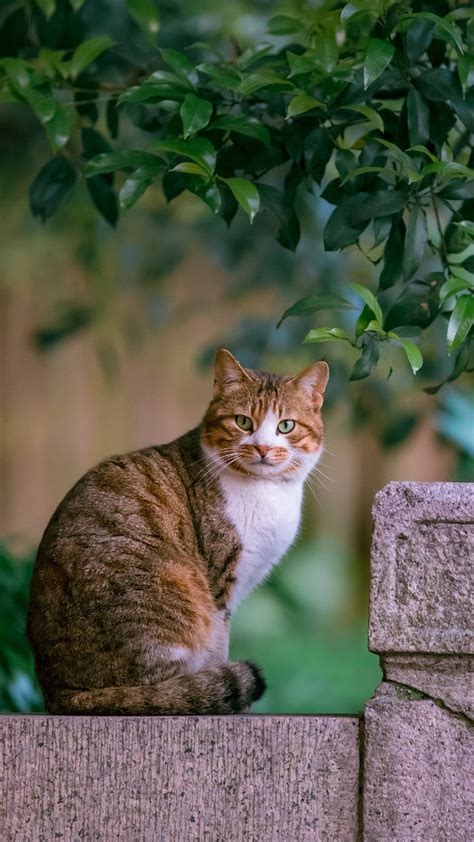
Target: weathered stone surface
x=252, y=778
x=417, y=771
x=448, y=678
x=422, y=569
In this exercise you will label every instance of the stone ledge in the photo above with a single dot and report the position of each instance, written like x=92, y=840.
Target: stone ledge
x=134, y=779
x=421, y=577
x=417, y=777
x=447, y=678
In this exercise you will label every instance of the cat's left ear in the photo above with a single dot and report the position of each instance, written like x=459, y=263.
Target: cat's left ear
x=314, y=380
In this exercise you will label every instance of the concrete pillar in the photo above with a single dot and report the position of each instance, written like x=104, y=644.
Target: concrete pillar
x=418, y=745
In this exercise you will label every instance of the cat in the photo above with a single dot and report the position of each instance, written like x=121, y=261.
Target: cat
x=147, y=556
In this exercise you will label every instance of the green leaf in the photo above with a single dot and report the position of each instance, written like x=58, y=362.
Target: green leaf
x=223, y=77
x=146, y=14
x=18, y=74
x=365, y=171
x=134, y=187
x=393, y=255
x=195, y=114
x=367, y=362
x=110, y=162
x=315, y=303
x=198, y=149
x=358, y=7
x=48, y=7
x=452, y=286
x=418, y=117
x=418, y=304
x=448, y=169
x=466, y=71
x=463, y=274
x=415, y=241
x=445, y=28
x=301, y=103
x=51, y=187
x=104, y=198
x=370, y=113
x=327, y=334
x=246, y=194
x=439, y=85
x=458, y=189
x=341, y=228
x=285, y=25
x=181, y=65
x=351, y=216
x=364, y=320
x=210, y=194
x=327, y=53
x=418, y=38
x=153, y=92
x=263, y=79
x=87, y=52
x=406, y=163
x=191, y=168
x=461, y=322
x=249, y=126
x=44, y=106
x=318, y=148
x=59, y=127
x=371, y=302
x=412, y=351
x=379, y=56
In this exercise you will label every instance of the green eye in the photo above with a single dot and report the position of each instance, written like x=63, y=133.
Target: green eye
x=286, y=426
x=244, y=422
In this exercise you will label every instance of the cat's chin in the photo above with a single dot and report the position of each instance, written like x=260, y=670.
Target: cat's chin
x=262, y=470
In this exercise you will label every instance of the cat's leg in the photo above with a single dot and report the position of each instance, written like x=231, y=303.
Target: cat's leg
x=169, y=654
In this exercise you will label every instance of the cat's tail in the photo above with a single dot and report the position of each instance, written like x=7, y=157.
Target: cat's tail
x=228, y=688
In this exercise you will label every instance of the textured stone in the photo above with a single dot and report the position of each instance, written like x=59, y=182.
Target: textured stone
x=422, y=569
x=252, y=778
x=417, y=771
x=447, y=678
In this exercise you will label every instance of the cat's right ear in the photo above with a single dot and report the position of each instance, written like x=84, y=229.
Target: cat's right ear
x=228, y=372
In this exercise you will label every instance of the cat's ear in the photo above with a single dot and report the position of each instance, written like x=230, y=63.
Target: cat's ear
x=313, y=380
x=227, y=371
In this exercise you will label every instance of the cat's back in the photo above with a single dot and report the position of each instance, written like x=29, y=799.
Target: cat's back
x=132, y=495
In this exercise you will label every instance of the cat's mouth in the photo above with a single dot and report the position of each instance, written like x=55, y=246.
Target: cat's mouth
x=261, y=467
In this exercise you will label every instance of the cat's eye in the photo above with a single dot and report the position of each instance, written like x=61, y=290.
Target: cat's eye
x=244, y=422
x=286, y=426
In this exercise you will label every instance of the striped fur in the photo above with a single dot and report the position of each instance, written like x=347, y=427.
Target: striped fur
x=142, y=560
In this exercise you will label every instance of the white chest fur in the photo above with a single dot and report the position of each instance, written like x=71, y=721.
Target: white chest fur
x=266, y=515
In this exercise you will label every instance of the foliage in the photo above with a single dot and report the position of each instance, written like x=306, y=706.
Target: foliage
x=378, y=92
x=18, y=687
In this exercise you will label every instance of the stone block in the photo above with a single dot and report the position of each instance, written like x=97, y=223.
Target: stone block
x=179, y=779
x=418, y=765
x=421, y=597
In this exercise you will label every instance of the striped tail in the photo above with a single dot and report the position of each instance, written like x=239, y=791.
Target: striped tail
x=228, y=688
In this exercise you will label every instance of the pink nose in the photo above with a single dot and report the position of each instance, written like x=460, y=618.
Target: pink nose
x=262, y=449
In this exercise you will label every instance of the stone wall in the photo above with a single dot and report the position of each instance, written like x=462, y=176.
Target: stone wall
x=402, y=773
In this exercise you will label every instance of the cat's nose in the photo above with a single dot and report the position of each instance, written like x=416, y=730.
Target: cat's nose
x=262, y=449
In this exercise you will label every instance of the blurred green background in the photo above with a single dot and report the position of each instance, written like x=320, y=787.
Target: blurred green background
x=107, y=338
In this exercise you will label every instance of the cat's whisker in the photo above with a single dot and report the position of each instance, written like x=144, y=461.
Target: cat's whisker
x=318, y=470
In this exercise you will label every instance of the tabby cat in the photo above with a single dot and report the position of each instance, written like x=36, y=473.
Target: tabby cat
x=148, y=555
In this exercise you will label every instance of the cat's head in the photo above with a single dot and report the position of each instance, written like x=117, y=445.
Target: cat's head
x=265, y=425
